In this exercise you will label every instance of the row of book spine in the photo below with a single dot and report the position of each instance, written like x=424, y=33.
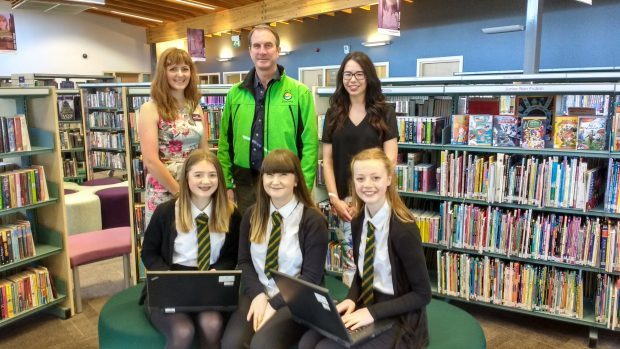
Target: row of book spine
x=73, y=167
x=607, y=301
x=612, y=187
x=513, y=284
x=137, y=101
x=574, y=240
x=16, y=242
x=412, y=178
x=530, y=180
x=134, y=134
x=104, y=159
x=212, y=123
x=106, y=119
x=25, y=290
x=71, y=139
x=420, y=129
x=213, y=101
x=138, y=217
x=14, y=134
x=139, y=173
x=421, y=106
x=112, y=140
x=23, y=187
x=104, y=99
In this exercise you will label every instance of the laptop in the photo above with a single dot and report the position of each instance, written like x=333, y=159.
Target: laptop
x=193, y=291
x=311, y=305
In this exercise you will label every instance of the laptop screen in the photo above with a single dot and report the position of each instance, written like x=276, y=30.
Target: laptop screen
x=188, y=291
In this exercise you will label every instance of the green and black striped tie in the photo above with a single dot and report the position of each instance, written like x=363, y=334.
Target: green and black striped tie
x=271, y=261
x=204, y=242
x=369, y=269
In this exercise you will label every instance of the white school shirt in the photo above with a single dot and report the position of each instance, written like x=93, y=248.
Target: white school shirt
x=382, y=267
x=290, y=257
x=186, y=244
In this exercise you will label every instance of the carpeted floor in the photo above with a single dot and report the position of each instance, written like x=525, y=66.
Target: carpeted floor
x=503, y=330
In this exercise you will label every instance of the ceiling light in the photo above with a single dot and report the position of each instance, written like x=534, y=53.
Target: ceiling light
x=285, y=53
x=191, y=3
x=504, y=29
x=136, y=16
x=376, y=43
x=589, y=2
x=96, y=2
x=223, y=59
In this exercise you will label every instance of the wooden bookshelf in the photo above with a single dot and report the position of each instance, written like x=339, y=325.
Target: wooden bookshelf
x=47, y=218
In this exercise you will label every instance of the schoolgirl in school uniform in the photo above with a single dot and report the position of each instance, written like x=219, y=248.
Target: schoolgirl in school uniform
x=197, y=231
x=283, y=231
x=391, y=281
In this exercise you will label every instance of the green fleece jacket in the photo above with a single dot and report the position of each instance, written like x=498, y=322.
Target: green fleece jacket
x=290, y=123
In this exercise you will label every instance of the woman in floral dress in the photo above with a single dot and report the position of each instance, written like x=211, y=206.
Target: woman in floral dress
x=171, y=125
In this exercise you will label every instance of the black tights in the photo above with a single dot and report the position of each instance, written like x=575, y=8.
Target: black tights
x=179, y=328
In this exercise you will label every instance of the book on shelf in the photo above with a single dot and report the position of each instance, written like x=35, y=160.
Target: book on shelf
x=533, y=132
x=480, y=130
x=543, y=106
x=565, y=132
x=22, y=187
x=66, y=108
x=592, y=132
x=138, y=172
x=14, y=134
x=138, y=217
x=421, y=130
x=17, y=242
x=134, y=118
x=25, y=290
x=615, y=129
x=460, y=129
x=505, y=131
x=104, y=99
x=105, y=119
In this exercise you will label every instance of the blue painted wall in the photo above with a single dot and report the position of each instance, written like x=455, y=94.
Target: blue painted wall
x=574, y=35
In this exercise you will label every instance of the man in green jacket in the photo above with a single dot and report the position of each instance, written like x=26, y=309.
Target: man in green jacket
x=267, y=110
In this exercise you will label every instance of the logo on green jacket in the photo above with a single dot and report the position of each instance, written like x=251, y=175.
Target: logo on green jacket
x=287, y=96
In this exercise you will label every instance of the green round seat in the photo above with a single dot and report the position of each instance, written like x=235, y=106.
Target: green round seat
x=123, y=323
x=452, y=327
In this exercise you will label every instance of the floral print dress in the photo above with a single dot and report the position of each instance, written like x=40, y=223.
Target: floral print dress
x=176, y=139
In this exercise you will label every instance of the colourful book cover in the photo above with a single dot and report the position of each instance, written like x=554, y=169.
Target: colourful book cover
x=533, y=132
x=565, y=132
x=505, y=131
x=480, y=129
x=591, y=132
x=460, y=129
x=616, y=129
x=537, y=106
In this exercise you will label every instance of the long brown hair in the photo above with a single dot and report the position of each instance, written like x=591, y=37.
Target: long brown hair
x=277, y=161
x=222, y=208
x=340, y=102
x=166, y=104
x=398, y=207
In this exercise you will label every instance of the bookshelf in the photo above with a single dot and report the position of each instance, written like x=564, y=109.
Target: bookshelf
x=105, y=125
x=516, y=250
x=71, y=130
x=44, y=211
x=212, y=102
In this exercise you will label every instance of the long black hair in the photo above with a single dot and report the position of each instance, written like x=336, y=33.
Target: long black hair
x=340, y=103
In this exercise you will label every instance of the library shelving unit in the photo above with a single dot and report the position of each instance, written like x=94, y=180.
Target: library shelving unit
x=105, y=126
x=71, y=128
x=212, y=102
x=539, y=251
x=44, y=212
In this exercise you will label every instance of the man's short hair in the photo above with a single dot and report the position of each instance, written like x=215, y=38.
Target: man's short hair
x=264, y=27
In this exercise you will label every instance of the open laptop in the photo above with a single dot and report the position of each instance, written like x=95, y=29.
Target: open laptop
x=312, y=306
x=192, y=291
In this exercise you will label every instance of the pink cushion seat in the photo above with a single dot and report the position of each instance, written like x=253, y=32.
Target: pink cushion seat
x=94, y=246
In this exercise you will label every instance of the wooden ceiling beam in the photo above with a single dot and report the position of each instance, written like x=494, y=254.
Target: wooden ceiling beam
x=134, y=11
x=153, y=8
x=128, y=20
x=182, y=10
x=266, y=11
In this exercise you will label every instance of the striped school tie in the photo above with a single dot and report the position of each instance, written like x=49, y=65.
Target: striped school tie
x=204, y=242
x=271, y=261
x=369, y=269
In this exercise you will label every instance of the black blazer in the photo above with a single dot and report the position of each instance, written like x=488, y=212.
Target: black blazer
x=158, y=244
x=313, y=239
x=412, y=288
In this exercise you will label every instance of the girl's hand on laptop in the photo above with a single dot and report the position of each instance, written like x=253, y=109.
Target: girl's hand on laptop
x=257, y=310
x=358, y=318
x=269, y=312
x=345, y=307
